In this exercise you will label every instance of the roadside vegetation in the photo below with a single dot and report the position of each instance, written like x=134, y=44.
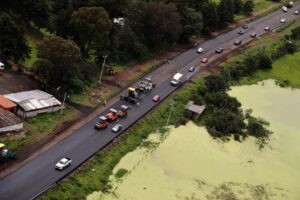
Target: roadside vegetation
x=221, y=108
x=38, y=127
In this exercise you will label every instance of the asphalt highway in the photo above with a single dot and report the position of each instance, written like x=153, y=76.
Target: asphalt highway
x=38, y=175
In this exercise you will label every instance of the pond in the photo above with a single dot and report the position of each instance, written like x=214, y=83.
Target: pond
x=189, y=164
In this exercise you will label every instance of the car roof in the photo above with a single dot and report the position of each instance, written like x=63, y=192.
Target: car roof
x=64, y=159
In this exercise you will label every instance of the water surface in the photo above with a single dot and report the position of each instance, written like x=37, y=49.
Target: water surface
x=189, y=164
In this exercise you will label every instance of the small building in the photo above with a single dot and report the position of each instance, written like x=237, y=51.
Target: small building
x=194, y=111
x=9, y=121
x=7, y=104
x=34, y=102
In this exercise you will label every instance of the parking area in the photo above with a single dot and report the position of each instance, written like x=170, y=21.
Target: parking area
x=11, y=82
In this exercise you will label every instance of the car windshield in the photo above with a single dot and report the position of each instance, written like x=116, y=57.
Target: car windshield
x=61, y=162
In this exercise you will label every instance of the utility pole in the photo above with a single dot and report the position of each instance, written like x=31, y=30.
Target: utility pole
x=172, y=104
x=103, y=65
x=65, y=96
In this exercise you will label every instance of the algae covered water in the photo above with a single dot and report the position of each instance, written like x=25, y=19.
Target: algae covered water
x=189, y=164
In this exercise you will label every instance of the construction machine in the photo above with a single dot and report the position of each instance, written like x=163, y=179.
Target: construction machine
x=123, y=112
x=5, y=153
x=112, y=115
x=133, y=96
x=146, y=85
x=102, y=123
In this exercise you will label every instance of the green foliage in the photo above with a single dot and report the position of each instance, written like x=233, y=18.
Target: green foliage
x=210, y=16
x=225, y=11
x=265, y=61
x=13, y=44
x=161, y=33
x=255, y=128
x=248, y=7
x=93, y=27
x=120, y=173
x=191, y=21
x=238, y=6
x=296, y=33
x=215, y=83
x=58, y=62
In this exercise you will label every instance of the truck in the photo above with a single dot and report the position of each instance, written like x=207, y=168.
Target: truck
x=123, y=112
x=112, y=115
x=176, y=79
x=102, y=123
x=146, y=85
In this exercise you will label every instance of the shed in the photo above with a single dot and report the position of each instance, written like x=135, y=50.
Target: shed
x=9, y=121
x=6, y=103
x=194, y=110
x=34, y=102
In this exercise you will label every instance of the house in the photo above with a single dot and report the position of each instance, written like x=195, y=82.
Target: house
x=34, y=102
x=9, y=121
x=194, y=111
x=7, y=104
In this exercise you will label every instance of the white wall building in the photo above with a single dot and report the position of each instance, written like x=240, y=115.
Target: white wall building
x=34, y=102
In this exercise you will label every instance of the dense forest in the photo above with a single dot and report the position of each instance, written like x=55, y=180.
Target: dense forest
x=81, y=32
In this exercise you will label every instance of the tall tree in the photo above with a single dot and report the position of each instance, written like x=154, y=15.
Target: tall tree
x=93, y=26
x=248, y=7
x=210, y=16
x=36, y=11
x=238, y=6
x=225, y=12
x=13, y=45
x=162, y=24
x=191, y=22
x=58, y=61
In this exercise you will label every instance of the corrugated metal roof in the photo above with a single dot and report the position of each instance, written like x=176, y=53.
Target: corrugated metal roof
x=33, y=100
x=8, y=119
x=6, y=103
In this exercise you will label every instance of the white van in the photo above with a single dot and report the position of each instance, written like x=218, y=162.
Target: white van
x=176, y=79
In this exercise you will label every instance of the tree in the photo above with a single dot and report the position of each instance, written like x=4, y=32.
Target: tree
x=238, y=6
x=248, y=7
x=265, y=61
x=13, y=44
x=225, y=12
x=296, y=33
x=123, y=42
x=115, y=8
x=210, y=16
x=35, y=11
x=58, y=61
x=191, y=23
x=93, y=26
x=215, y=83
x=224, y=122
x=162, y=24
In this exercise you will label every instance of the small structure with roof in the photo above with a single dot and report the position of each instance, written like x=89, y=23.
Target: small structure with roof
x=194, y=111
x=7, y=104
x=9, y=121
x=34, y=102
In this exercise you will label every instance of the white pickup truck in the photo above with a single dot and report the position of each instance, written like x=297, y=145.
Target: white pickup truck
x=63, y=163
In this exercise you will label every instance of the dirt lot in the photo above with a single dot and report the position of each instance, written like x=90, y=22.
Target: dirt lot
x=11, y=82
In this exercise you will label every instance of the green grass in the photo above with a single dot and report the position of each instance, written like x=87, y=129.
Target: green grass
x=40, y=126
x=33, y=55
x=286, y=68
x=120, y=173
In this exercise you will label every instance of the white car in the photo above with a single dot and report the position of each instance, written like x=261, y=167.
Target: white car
x=283, y=20
x=63, y=163
x=296, y=12
x=116, y=128
x=2, y=66
x=284, y=9
x=200, y=50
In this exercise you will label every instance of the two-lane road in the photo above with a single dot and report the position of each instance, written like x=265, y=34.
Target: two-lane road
x=39, y=174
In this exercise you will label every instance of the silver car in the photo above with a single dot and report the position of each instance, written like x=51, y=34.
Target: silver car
x=116, y=128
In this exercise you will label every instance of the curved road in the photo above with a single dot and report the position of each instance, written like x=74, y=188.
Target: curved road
x=39, y=174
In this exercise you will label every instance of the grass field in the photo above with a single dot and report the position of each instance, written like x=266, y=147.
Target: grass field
x=38, y=127
x=285, y=69
x=33, y=55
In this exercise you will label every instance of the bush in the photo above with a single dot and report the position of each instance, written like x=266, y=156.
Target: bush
x=265, y=61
